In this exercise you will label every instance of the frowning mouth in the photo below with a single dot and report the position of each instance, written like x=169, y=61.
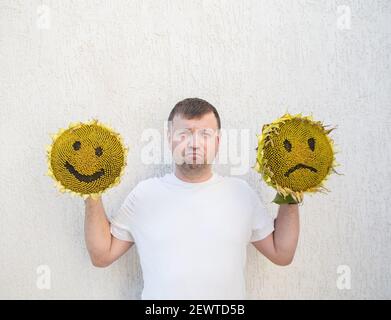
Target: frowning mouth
x=83, y=177
x=299, y=166
x=193, y=155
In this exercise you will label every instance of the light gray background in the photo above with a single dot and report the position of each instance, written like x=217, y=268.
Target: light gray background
x=129, y=62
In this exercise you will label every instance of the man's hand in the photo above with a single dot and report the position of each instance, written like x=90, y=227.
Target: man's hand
x=102, y=247
x=280, y=246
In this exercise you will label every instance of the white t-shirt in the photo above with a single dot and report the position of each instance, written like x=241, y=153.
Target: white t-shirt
x=192, y=237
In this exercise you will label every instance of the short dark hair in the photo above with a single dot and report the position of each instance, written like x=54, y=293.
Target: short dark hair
x=191, y=108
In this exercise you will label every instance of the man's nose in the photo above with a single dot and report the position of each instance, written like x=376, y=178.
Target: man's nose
x=194, y=141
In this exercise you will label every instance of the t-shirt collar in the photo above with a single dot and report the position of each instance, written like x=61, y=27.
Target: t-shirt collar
x=173, y=179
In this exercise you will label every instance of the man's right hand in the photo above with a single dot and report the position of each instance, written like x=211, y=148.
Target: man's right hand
x=102, y=246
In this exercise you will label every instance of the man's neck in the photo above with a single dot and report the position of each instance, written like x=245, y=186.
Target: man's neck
x=194, y=177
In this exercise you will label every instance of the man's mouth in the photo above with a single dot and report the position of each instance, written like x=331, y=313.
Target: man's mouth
x=299, y=166
x=193, y=154
x=83, y=177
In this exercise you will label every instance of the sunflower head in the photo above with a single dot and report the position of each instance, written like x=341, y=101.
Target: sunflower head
x=295, y=155
x=86, y=159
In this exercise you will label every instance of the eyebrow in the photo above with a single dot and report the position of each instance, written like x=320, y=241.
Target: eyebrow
x=187, y=128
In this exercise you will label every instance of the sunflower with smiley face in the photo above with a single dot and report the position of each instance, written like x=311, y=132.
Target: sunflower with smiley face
x=86, y=159
x=295, y=155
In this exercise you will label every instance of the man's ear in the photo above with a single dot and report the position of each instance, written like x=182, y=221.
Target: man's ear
x=218, y=138
x=168, y=137
x=169, y=130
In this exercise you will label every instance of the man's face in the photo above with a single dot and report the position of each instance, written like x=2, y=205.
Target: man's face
x=194, y=142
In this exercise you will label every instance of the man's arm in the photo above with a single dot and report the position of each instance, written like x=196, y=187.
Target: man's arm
x=102, y=247
x=280, y=246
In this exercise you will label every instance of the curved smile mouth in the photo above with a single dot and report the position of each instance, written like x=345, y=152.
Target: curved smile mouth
x=299, y=166
x=83, y=177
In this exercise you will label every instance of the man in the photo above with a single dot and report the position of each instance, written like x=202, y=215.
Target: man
x=191, y=227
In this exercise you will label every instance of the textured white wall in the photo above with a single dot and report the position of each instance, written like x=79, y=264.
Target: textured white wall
x=129, y=62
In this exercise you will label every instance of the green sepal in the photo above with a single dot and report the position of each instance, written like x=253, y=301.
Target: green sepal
x=280, y=199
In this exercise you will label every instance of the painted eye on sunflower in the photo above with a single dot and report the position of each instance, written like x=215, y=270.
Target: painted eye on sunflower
x=76, y=145
x=311, y=143
x=295, y=155
x=86, y=159
x=287, y=145
x=98, y=151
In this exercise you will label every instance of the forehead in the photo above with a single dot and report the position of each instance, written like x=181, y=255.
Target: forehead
x=208, y=120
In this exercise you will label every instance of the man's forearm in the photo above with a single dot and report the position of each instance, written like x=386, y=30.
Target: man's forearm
x=96, y=229
x=286, y=233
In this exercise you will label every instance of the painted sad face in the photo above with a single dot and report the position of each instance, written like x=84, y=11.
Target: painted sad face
x=295, y=154
x=87, y=158
x=300, y=156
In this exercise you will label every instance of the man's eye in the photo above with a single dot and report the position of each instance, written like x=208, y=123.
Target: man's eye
x=207, y=133
x=180, y=135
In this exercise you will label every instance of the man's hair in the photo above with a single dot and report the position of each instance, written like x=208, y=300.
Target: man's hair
x=193, y=108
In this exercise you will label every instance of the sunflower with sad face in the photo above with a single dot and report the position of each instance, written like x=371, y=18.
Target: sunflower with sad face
x=86, y=159
x=295, y=155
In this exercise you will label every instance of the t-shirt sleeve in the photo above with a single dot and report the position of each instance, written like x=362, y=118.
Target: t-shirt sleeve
x=262, y=222
x=121, y=224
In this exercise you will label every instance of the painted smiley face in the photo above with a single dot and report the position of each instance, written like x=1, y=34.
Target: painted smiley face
x=86, y=159
x=295, y=154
